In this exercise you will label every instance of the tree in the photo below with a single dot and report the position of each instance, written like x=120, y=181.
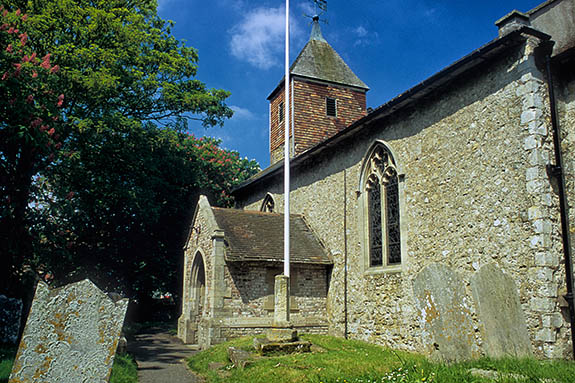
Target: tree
x=31, y=132
x=119, y=60
x=120, y=74
x=121, y=211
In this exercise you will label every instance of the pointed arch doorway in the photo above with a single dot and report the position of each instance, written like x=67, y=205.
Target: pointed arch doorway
x=197, y=295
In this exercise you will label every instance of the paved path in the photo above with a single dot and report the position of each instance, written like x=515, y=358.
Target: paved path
x=159, y=356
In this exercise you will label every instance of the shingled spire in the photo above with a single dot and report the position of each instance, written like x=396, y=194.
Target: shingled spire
x=316, y=30
x=319, y=61
x=327, y=97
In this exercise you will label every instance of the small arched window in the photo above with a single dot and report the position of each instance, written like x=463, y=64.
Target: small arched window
x=382, y=208
x=268, y=204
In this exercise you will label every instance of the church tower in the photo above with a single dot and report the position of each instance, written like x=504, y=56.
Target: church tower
x=326, y=96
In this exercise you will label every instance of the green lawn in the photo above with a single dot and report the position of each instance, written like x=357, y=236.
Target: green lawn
x=338, y=360
x=124, y=370
x=7, y=354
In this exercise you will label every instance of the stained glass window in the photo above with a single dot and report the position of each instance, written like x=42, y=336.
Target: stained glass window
x=375, y=240
x=392, y=221
x=382, y=206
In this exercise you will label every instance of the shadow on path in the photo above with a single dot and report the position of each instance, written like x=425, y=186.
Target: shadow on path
x=160, y=357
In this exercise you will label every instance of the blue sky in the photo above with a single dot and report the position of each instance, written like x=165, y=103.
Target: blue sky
x=391, y=45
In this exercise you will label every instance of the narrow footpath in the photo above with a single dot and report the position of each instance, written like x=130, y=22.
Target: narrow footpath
x=160, y=357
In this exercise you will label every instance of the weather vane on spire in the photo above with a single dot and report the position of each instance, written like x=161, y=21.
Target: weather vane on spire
x=321, y=5
x=320, y=9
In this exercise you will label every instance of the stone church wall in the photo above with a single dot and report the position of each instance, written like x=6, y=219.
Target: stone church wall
x=566, y=112
x=473, y=192
x=251, y=303
x=252, y=290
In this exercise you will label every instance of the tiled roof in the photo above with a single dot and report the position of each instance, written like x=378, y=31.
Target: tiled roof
x=258, y=236
x=319, y=61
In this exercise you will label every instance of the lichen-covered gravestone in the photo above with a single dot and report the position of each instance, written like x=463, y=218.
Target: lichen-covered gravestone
x=445, y=314
x=10, y=312
x=500, y=314
x=70, y=336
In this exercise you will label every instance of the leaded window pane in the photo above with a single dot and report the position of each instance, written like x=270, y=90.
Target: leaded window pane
x=374, y=213
x=392, y=221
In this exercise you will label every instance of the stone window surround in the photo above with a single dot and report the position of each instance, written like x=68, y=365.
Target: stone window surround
x=268, y=204
x=363, y=215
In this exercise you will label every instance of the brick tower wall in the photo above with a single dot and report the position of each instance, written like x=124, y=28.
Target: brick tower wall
x=311, y=124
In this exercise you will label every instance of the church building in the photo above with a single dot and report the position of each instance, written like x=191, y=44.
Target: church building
x=440, y=222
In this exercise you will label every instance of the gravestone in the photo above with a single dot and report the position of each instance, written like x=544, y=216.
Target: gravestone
x=71, y=335
x=10, y=312
x=503, y=322
x=445, y=317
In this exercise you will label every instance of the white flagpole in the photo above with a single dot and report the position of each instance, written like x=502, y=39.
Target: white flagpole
x=286, y=149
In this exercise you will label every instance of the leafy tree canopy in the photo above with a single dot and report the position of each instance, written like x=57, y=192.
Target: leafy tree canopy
x=119, y=59
x=98, y=178
x=121, y=211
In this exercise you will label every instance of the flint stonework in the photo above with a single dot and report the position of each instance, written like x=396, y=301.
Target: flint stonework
x=445, y=316
x=71, y=335
x=503, y=322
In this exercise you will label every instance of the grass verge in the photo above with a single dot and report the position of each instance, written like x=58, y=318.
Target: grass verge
x=124, y=370
x=7, y=354
x=338, y=360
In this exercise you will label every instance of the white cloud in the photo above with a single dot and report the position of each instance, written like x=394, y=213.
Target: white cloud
x=360, y=31
x=364, y=37
x=242, y=113
x=307, y=8
x=259, y=37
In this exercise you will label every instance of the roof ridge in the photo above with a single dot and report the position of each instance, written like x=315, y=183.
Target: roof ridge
x=255, y=212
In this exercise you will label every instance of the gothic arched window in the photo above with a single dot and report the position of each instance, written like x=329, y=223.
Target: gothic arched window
x=268, y=205
x=382, y=207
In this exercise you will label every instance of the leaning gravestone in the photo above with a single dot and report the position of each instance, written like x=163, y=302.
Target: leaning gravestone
x=503, y=322
x=10, y=312
x=446, y=320
x=70, y=336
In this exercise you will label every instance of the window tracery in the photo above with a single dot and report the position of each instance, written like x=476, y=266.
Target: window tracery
x=382, y=205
